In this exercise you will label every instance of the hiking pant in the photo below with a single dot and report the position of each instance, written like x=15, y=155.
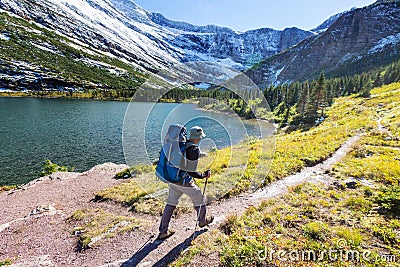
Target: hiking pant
x=174, y=193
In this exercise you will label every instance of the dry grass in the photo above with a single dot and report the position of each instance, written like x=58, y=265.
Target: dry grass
x=321, y=217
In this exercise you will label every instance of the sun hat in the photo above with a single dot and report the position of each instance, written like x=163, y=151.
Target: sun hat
x=196, y=132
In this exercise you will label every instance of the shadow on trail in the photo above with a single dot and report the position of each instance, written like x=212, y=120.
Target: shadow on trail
x=168, y=258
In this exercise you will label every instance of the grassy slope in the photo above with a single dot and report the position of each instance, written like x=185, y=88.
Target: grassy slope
x=35, y=49
x=323, y=217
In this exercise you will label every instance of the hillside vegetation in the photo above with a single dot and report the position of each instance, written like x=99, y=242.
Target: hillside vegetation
x=358, y=214
x=50, y=61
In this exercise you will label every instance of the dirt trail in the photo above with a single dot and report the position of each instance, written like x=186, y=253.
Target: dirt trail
x=34, y=231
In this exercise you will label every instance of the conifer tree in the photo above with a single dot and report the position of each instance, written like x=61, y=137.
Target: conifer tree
x=316, y=100
x=320, y=94
x=303, y=100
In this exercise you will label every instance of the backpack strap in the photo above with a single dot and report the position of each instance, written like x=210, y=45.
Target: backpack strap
x=189, y=144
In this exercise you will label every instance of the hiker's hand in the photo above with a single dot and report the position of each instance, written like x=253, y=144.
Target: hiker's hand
x=203, y=154
x=208, y=174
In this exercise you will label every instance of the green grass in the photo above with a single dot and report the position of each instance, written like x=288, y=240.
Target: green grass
x=316, y=230
x=50, y=167
x=6, y=262
x=134, y=171
x=126, y=193
x=92, y=223
x=389, y=200
x=367, y=162
x=376, y=156
x=7, y=188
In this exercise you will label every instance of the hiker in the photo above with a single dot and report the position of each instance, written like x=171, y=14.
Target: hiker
x=187, y=186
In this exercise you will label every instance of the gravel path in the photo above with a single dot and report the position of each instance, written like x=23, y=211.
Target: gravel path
x=34, y=230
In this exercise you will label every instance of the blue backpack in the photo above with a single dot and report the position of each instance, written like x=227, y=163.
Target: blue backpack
x=171, y=166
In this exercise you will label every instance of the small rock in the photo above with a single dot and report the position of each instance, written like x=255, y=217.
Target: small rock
x=339, y=185
x=352, y=185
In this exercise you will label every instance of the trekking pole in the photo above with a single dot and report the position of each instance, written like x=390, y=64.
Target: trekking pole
x=198, y=215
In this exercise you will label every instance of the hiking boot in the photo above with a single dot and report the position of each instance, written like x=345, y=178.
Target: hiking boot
x=165, y=235
x=209, y=220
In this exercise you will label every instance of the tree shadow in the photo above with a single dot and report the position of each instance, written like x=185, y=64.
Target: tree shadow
x=168, y=258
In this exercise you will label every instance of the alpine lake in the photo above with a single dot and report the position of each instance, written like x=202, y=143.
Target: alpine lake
x=84, y=133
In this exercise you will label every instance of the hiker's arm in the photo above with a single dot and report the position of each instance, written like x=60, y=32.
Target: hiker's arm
x=197, y=175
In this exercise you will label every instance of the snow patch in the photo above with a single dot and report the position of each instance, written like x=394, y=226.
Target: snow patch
x=278, y=72
x=389, y=40
x=4, y=36
x=32, y=30
x=44, y=48
x=230, y=63
x=83, y=49
x=197, y=56
x=346, y=57
x=103, y=65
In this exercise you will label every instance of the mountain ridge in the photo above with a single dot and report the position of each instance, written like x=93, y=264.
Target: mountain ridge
x=148, y=41
x=357, y=41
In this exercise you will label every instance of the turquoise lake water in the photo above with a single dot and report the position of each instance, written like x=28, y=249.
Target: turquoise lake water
x=85, y=133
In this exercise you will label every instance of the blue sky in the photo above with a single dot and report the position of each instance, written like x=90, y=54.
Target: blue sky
x=252, y=14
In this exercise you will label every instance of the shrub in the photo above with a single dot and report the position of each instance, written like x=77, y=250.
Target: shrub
x=7, y=188
x=231, y=224
x=5, y=262
x=386, y=234
x=237, y=252
x=133, y=171
x=352, y=236
x=359, y=204
x=126, y=193
x=50, y=167
x=316, y=230
x=389, y=200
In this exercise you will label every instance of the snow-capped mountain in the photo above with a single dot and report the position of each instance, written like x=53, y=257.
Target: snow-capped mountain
x=149, y=40
x=225, y=45
x=357, y=41
x=114, y=35
x=327, y=23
